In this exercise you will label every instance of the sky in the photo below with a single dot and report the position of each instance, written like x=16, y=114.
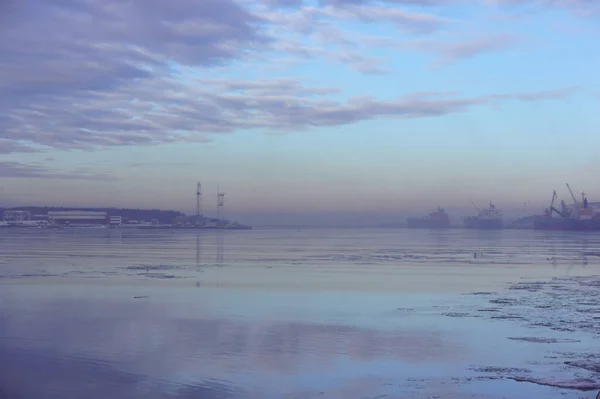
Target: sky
x=299, y=110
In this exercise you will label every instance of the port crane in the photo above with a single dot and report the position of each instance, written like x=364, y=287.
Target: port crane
x=572, y=195
x=579, y=205
x=563, y=213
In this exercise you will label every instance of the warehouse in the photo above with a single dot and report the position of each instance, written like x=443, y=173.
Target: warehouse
x=78, y=217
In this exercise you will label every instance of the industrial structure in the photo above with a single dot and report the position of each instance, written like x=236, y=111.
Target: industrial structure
x=435, y=220
x=11, y=216
x=199, y=216
x=78, y=217
x=115, y=221
x=486, y=219
x=58, y=218
x=220, y=202
x=581, y=215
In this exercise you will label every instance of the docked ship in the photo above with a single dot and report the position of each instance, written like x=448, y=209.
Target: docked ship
x=579, y=216
x=435, y=220
x=487, y=219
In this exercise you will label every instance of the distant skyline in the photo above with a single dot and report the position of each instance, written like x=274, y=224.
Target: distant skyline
x=299, y=109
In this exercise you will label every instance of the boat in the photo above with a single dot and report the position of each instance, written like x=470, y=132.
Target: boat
x=523, y=223
x=487, y=219
x=551, y=223
x=577, y=217
x=435, y=220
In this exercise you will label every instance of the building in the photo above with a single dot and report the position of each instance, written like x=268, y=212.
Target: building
x=16, y=216
x=115, y=220
x=78, y=217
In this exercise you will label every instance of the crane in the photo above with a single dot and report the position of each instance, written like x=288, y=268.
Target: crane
x=572, y=195
x=563, y=214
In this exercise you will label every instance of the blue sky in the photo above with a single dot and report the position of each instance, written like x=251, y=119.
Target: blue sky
x=314, y=107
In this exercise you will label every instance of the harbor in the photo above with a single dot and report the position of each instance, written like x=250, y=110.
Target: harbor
x=581, y=215
x=103, y=218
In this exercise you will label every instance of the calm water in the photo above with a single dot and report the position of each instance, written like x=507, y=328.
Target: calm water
x=298, y=314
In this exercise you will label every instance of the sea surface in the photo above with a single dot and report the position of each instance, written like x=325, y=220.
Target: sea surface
x=310, y=313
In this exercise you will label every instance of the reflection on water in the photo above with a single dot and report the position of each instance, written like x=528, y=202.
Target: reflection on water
x=307, y=259
x=198, y=257
x=127, y=346
x=220, y=247
x=265, y=314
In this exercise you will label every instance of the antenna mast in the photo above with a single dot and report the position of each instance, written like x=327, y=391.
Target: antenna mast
x=220, y=202
x=198, y=202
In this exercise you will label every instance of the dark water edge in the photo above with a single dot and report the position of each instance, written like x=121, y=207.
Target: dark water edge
x=271, y=314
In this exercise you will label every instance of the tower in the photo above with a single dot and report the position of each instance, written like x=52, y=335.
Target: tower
x=220, y=202
x=199, y=215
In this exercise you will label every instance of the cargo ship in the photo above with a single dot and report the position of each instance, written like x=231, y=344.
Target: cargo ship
x=577, y=217
x=435, y=220
x=487, y=219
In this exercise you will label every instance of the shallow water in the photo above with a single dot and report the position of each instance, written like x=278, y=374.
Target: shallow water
x=284, y=313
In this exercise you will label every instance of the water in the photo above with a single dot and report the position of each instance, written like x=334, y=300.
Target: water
x=299, y=314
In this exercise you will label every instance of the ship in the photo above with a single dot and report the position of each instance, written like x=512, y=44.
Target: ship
x=487, y=219
x=577, y=217
x=435, y=220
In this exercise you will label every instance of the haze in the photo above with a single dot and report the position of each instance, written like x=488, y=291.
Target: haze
x=324, y=109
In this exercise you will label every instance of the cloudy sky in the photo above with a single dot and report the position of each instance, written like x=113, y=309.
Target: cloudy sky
x=298, y=107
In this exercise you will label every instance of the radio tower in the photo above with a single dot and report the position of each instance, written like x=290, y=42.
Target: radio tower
x=199, y=215
x=220, y=202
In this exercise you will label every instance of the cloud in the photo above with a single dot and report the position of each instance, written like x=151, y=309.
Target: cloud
x=267, y=87
x=361, y=63
x=310, y=19
x=352, y=58
x=21, y=170
x=580, y=7
x=563, y=3
x=164, y=110
x=90, y=74
x=449, y=52
x=411, y=22
x=402, y=2
x=12, y=146
x=48, y=44
x=314, y=32
x=73, y=52
x=544, y=95
x=415, y=105
x=162, y=164
x=284, y=3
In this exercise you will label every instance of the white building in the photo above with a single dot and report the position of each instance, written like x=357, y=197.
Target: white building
x=115, y=220
x=77, y=217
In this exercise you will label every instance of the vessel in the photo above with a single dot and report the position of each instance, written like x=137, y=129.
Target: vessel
x=487, y=219
x=435, y=220
x=577, y=217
